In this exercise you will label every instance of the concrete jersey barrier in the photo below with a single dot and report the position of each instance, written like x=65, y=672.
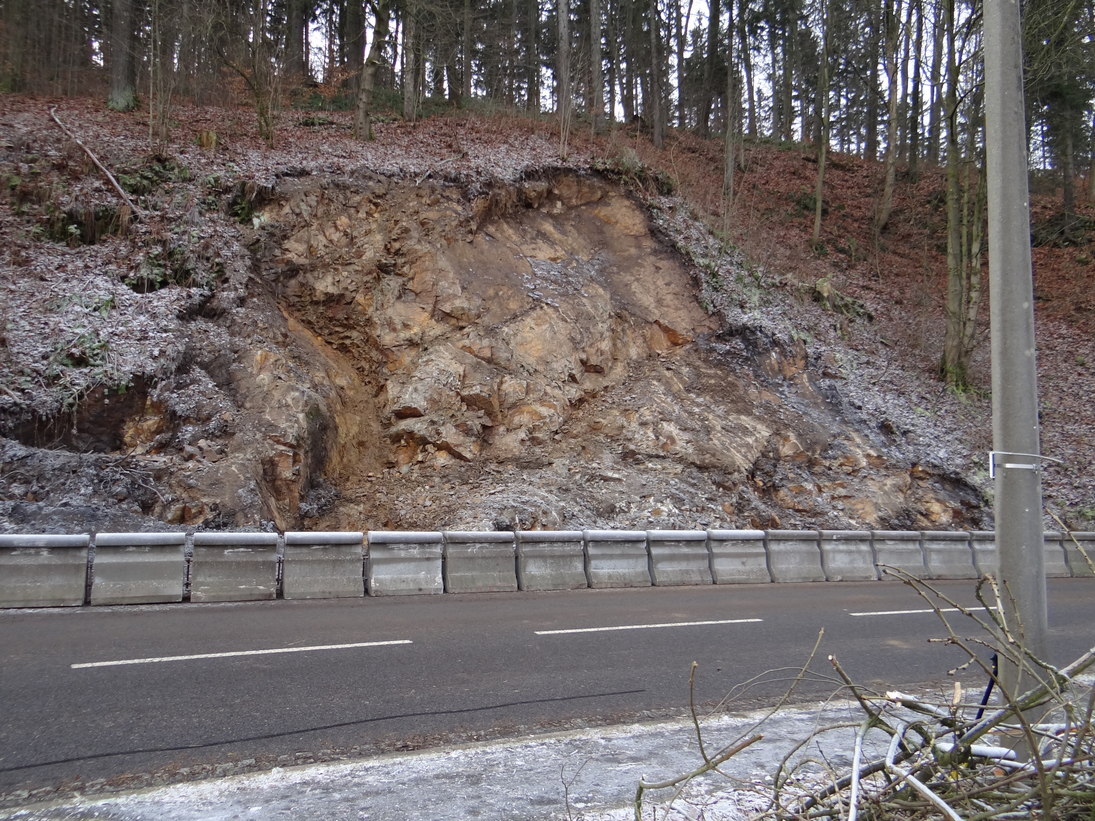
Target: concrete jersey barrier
x=139, y=568
x=47, y=570
x=43, y=570
x=795, y=556
x=406, y=562
x=1080, y=553
x=480, y=562
x=679, y=557
x=847, y=556
x=738, y=557
x=985, y=558
x=323, y=565
x=551, y=560
x=900, y=550
x=234, y=567
x=617, y=558
x=1056, y=566
x=948, y=555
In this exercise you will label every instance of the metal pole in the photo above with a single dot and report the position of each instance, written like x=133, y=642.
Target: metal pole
x=1018, y=486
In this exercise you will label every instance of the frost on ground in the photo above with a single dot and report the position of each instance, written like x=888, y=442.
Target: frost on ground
x=588, y=774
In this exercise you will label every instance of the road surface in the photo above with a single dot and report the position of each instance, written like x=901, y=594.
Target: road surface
x=148, y=694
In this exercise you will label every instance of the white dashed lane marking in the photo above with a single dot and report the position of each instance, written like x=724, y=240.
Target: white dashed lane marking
x=644, y=626
x=236, y=653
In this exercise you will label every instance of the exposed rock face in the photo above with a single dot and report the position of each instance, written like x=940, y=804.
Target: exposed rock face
x=408, y=357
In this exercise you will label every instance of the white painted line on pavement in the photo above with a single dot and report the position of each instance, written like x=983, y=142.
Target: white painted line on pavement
x=913, y=612
x=643, y=626
x=235, y=653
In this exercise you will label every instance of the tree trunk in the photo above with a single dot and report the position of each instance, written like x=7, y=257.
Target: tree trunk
x=787, y=79
x=904, y=59
x=123, y=71
x=353, y=43
x=1091, y=166
x=624, y=58
x=914, y=101
x=466, y=49
x=870, y=139
x=823, y=123
x=532, y=56
x=680, y=34
x=163, y=31
x=410, y=66
x=296, y=56
x=612, y=38
x=707, y=93
x=655, y=107
x=363, y=127
x=562, y=76
x=935, y=110
x=893, y=48
x=596, y=74
x=774, y=80
x=732, y=138
x=965, y=224
x=747, y=66
x=1068, y=172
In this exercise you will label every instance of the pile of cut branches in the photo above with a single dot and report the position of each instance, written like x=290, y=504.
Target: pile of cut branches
x=1027, y=755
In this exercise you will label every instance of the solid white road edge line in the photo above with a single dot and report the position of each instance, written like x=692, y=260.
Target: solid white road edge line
x=643, y=626
x=234, y=653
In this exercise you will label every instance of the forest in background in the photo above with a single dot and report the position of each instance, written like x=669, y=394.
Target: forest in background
x=899, y=82
x=869, y=78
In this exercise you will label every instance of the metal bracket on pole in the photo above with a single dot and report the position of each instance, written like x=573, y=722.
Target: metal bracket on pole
x=1017, y=465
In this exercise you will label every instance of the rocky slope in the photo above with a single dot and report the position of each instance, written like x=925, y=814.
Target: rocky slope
x=343, y=340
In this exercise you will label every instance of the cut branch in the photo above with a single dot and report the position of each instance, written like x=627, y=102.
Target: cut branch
x=110, y=177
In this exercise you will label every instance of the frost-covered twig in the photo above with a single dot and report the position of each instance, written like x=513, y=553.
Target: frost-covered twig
x=915, y=758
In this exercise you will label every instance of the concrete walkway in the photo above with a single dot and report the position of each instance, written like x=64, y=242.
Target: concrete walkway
x=588, y=774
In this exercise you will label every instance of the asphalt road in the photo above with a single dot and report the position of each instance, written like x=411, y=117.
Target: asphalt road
x=179, y=690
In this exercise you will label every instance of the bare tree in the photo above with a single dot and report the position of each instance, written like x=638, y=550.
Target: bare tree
x=363, y=129
x=123, y=64
x=894, y=28
x=965, y=207
x=563, y=102
x=246, y=45
x=822, y=137
x=596, y=75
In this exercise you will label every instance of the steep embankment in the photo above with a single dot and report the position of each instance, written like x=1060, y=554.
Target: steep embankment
x=360, y=350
